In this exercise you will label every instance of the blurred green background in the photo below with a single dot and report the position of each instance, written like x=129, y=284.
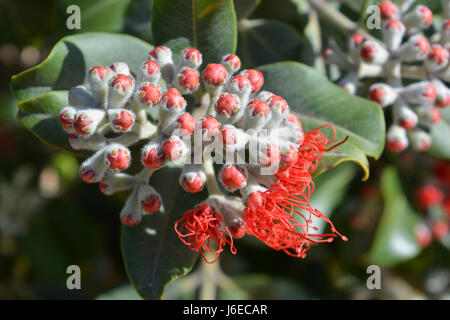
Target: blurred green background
x=49, y=219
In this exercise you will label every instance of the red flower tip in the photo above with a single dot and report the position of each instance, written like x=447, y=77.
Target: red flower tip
x=227, y=105
x=151, y=68
x=229, y=135
x=427, y=15
x=118, y=158
x=192, y=182
x=123, y=120
x=189, y=79
x=368, y=52
x=357, y=39
x=233, y=177
x=440, y=229
x=429, y=92
x=193, y=56
x=210, y=125
x=256, y=79
x=82, y=124
x=122, y=82
x=388, y=9
x=88, y=175
x=152, y=158
x=150, y=94
x=215, y=74
x=66, y=118
x=423, y=45
x=238, y=228
x=232, y=61
x=186, y=122
x=172, y=98
x=279, y=103
x=99, y=72
x=258, y=108
x=151, y=203
x=202, y=226
x=428, y=196
x=173, y=148
x=156, y=52
x=129, y=220
x=438, y=55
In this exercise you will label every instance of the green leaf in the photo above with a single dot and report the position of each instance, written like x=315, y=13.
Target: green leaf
x=124, y=292
x=210, y=25
x=440, y=146
x=42, y=90
x=263, y=41
x=317, y=102
x=244, y=8
x=153, y=253
x=394, y=240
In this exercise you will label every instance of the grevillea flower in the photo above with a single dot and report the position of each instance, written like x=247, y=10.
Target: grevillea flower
x=202, y=226
x=281, y=217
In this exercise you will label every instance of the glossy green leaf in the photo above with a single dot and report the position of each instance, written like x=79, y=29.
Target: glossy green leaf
x=440, y=146
x=264, y=41
x=153, y=253
x=394, y=240
x=317, y=102
x=210, y=25
x=42, y=90
x=244, y=8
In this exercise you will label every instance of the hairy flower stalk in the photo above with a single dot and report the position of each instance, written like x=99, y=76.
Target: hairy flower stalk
x=405, y=53
x=265, y=155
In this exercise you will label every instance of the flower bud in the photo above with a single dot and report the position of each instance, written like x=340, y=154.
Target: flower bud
x=214, y=75
x=121, y=68
x=428, y=115
x=93, y=168
x=416, y=48
x=382, y=94
x=227, y=106
x=393, y=32
x=149, y=72
x=210, y=126
x=80, y=96
x=131, y=213
x=422, y=92
x=240, y=86
x=442, y=94
x=237, y=227
x=150, y=199
x=404, y=116
x=256, y=79
x=233, y=177
x=116, y=182
x=117, y=157
x=440, y=229
x=191, y=58
x=372, y=52
x=265, y=96
x=153, y=155
x=231, y=62
x=98, y=78
x=185, y=124
x=279, y=110
x=148, y=95
x=257, y=113
x=161, y=55
x=296, y=126
x=437, y=59
x=428, y=196
x=121, y=119
x=193, y=178
x=289, y=155
x=173, y=100
x=419, y=18
x=233, y=138
x=396, y=138
x=355, y=43
x=67, y=119
x=174, y=149
x=188, y=80
x=87, y=121
x=121, y=89
x=388, y=10
x=420, y=140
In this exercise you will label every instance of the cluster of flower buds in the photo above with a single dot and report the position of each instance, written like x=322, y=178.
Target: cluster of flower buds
x=433, y=200
x=238, y=121
x=405, y=52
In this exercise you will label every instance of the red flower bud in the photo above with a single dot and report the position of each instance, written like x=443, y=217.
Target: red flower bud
x=237, y=228
x=122, y=83
x=173, y=148
x=210, y=126
x=231, y=62
x=229, y=135
x=396, y=139
x=172, y=98
x=159, y=52
x=193, y=182
x=388, y=9
x=215, y=74
x=256, y=79
x=152, y=156
x=428, y=196
x=67, y=118
x=191, y=57
x=151, y=203
x=437, y=59
x=227, y=105
x=258, y=108
x=186, y=122
x=189, y=80
x=233, y=177
x=440, y=229
x=121, y=119
x=99, y=72
x=150, y=71
x=149, y=94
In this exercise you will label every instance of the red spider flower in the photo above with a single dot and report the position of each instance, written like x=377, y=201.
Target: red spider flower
x=201, y=226
x=282, y=216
